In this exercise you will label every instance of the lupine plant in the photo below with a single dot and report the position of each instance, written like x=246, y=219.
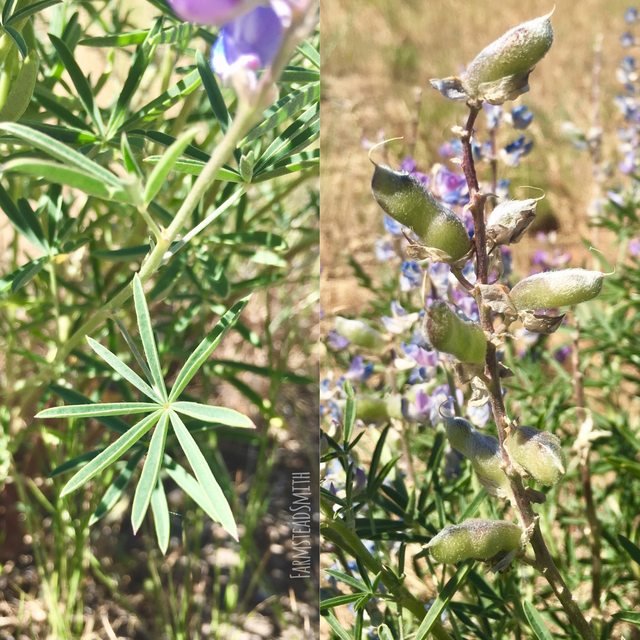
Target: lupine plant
x=412, y=492
x=157, y=172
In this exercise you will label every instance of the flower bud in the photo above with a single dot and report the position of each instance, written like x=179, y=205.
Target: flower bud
x=501, y=70
x=449, y=333
x=475, y=539
x=552, y=289
x=406, y=200
x=359, y=333
x=509, y=220
x=483, y=451
x=538, y=452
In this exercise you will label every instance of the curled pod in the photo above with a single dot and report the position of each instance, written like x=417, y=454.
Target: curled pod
x=406, y=200
x=359, y=333
x=475, y=539
x=501, y=70
x=452, y=334
x=483, y=451
x=538, y=452
x=552, y=289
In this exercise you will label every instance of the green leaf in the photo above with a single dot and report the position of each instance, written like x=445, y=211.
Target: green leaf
x=217, y=415
x=59, y=151
x=162, y=169
x=194, y=168
x=349, y=413
x=439, y=604
x=17, y=38
x=157, y=107
x=337, y=627
x=29, y=10
x=214, y=94
x=80, y=82
x=536, y=622
x=221, y=511
x=630, y=548
x=384, y=632
x=284, y=109
x=111, y=453
x=70, y=176
x=628, y=616
x=75, y=462
x=22, y=275
x=310, y=53
x=93, y=410
x=339, y=601
x=113, y=494
x=292, y=164
x=23, y=219
x=124, y=370
x=146, y=335
x=128, y=157
x=205, y=348
x=150, y=473
x=161, y=522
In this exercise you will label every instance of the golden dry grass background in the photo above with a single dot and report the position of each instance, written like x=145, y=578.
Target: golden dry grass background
x=377, y=57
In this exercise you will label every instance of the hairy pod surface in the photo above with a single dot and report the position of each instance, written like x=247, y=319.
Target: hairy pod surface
x=500, y=71
x=552, y=289
x=406, y=200
x=449, y=333
x=359, y=333
x=483, y=451
x=538, y=452
x=474, y=539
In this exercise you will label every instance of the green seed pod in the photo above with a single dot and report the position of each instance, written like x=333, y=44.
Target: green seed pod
x=406, y=200
x=449, y=333
x=538, y=452
x=500, y=71
x=552, y=289
x=483, y=451
x=475, y=539
x=373, y=409
x=359, y=333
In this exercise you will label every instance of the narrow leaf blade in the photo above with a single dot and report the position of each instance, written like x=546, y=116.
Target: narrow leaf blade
x=218, y=415
x=94, y=410
x=150, y=473
x=205, y=348
x=110, y=454
x=222, y=511
x=160, y=510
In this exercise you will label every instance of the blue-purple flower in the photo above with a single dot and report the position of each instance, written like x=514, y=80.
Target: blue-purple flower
x=449, y=186
x=211, y=12
x=521, y=116
x=410, y=275
x=631, y=15
x=516, y=150
x=248, y=43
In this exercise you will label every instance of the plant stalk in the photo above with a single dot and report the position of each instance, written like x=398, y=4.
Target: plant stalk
x=544, y=562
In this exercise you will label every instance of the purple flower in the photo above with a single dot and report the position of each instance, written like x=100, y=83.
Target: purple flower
x=248, y=43
x=409, y=165
x=439, y=276
x=634, y=247
x=336, y=341
x=562, y=353
x=502, y=188
x=627, y=39
x=521, y=117
x=358, y=370
x=516, y=150
x=630, y=15
x=211, y=12
x=390, y=225
x=451, y=149
x=493, y=114
x=384, y=250
x=410, y=275
x=449, y=186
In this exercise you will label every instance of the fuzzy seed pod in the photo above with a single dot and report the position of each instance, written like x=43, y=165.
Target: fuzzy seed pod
x=501, y=70
x=510, y=219
x=552, y=289
x=373, y=409
x=538, y=452
x=449, y=333
x=359, y=333
x=406, y=200
x=483, y=451
x=475, y=539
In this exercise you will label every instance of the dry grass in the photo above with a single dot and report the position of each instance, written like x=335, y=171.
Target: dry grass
x=377, y=58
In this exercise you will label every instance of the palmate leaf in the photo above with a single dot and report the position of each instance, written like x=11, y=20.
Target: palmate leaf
x=218, y=507
x=111, y=453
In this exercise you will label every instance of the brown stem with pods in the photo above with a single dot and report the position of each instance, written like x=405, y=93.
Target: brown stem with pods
x=543, y=560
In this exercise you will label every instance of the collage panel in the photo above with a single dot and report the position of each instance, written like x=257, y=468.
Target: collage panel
x=159, y=298
x=479, y=379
